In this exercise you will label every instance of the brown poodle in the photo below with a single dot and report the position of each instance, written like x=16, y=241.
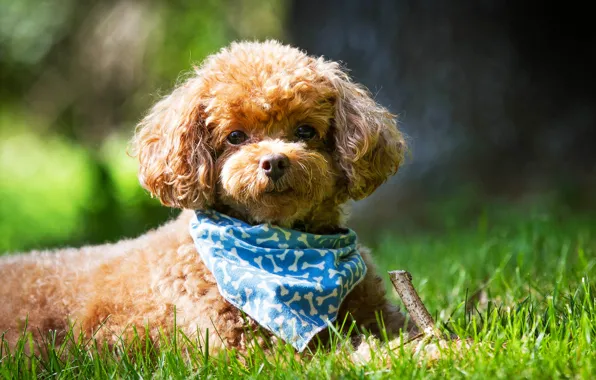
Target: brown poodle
x=261, y=132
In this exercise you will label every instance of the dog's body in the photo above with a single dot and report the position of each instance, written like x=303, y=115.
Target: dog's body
x=263, y=133
x=111, y=289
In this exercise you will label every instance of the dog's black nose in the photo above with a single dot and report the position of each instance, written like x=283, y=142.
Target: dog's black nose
x=275, y=165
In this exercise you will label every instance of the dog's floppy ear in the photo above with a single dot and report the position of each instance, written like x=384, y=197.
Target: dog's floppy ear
x=369, y=147
x=171, y=143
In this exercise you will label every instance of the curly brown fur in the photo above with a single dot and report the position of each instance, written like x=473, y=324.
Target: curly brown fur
x=265, y=90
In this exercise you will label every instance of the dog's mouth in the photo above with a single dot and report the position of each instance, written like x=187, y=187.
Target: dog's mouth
x=274, y=191
x=279, y=188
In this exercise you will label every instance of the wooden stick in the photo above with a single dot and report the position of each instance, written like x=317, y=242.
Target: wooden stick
x=402, y=282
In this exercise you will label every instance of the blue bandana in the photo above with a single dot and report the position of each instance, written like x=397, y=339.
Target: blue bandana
x=290, y=282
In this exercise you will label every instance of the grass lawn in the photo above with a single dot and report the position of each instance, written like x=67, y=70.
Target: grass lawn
x=520, y=285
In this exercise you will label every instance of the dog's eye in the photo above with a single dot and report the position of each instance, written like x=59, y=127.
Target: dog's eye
x=237, y=137
x=305, y=132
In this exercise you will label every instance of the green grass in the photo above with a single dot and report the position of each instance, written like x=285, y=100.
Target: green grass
x=520, y=286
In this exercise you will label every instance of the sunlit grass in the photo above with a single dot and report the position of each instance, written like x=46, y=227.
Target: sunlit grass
x=520, y=288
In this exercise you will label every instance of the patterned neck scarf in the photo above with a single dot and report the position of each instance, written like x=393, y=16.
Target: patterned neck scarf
x=290, y=282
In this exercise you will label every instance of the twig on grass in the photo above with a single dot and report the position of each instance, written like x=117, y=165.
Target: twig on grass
x=402, y=282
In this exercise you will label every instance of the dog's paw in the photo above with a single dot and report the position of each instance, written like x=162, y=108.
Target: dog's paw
x=372, y=349
x=423, y=350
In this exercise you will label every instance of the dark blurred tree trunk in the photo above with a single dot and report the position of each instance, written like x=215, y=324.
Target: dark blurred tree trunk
x=496, y=94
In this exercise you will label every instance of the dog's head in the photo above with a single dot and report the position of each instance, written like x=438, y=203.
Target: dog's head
x=269, y=132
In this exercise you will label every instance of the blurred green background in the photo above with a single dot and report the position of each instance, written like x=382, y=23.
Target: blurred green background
x=76, y=76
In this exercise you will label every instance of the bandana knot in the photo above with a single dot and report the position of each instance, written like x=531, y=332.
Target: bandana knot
x=290, y=282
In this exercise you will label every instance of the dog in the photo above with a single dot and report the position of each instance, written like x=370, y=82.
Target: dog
x=262, y=133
